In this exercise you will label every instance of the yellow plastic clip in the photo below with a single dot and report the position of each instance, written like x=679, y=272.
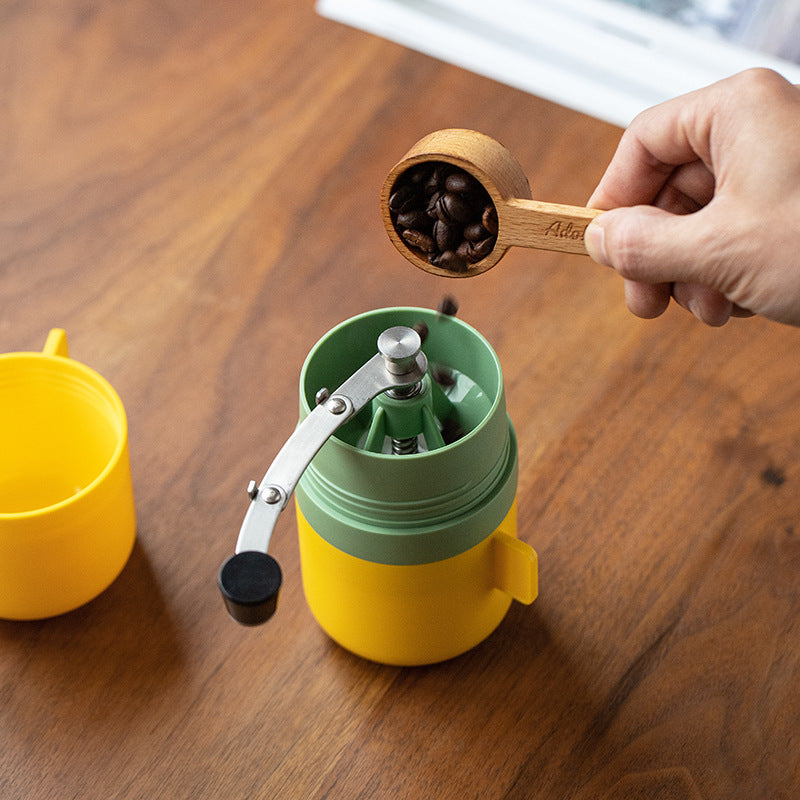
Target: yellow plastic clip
x=515, y=567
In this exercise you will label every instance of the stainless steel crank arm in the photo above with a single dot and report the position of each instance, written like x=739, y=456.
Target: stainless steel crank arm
x=250, y=579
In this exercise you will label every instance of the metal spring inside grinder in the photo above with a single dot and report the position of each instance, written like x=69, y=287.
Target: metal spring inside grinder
x=405, y=447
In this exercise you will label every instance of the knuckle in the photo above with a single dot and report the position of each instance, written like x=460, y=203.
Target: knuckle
x=759, y=82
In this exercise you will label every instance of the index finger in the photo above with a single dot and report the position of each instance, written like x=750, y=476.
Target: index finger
x=660, y=139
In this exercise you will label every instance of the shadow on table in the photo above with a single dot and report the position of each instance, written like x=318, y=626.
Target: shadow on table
x=121, y=648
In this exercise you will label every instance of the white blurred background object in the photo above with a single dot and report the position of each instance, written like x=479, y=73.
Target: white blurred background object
x=607, y=58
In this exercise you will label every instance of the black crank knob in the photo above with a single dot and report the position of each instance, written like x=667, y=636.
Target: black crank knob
x=250, y=582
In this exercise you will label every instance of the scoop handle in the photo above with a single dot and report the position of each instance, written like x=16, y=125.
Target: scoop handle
x=545, y=226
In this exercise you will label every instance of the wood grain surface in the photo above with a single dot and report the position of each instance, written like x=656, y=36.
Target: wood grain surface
x=190, y=189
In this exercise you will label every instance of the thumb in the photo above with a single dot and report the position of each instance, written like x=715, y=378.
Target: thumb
x=650, y=245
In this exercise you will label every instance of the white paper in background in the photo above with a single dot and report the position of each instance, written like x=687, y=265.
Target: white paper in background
x=607, y=58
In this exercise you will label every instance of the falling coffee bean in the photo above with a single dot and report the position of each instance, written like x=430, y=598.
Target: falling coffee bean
x=443, y=214
x=448, y=306
x=422, y=330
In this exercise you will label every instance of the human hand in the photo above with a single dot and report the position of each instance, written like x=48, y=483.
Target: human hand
x=705, y=198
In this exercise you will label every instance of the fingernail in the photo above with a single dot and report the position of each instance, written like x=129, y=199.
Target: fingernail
x=594, y=239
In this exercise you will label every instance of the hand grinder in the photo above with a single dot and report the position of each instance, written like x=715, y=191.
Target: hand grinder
x=405, y=485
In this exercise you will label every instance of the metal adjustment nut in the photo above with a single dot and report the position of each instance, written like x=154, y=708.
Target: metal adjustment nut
x=399, y=347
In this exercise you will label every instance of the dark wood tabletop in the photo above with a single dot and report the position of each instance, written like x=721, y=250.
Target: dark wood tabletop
x=190, y=189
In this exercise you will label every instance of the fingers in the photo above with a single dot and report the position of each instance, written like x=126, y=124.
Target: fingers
x=690, y=187
x=725, y=127
x=658, y=254
x=649, y=245
x=660, y=140
x=709, y=306
x=650, y=300
x=703, y=197
x=647, y=300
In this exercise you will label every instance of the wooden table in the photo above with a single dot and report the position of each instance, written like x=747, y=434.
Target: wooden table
x=190, y=190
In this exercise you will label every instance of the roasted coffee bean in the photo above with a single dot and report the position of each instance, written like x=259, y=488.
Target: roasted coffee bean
x=451, y=261
x=460, y=181
x=489, y=219
x=467, y=251
x=417, y=174
x=475, y=232
x=419, y=240
x=437, y=179
x=422, y=330
x=416, y=219
x=482, y=249
x=432, y=207
x=448, y=306
x=475, y=251
x=437, y=208
x=455, y=207
x=464, y=251
x=442, y=375
x=444, y=214
x=402, y=195
x=452, y=430
x=446, y=235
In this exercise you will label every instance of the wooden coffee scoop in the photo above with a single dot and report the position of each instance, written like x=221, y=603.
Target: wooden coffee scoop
x=519, y=220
